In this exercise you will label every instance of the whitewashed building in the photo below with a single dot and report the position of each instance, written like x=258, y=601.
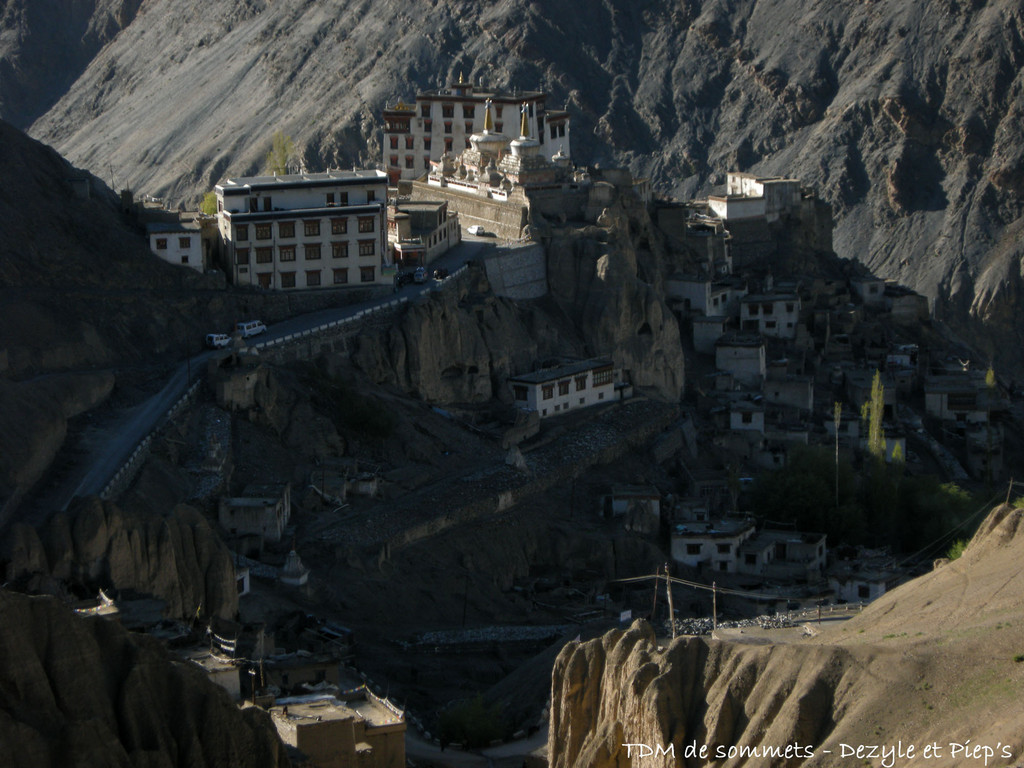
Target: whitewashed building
x=177, y=243
x=305, y=230
x=551, y=391
x=743, y=356
x=775, y=315
x=716, y=544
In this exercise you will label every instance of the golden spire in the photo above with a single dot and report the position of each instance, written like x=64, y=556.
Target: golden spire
x=524, y=123
x=488, y=122
x=460, y=77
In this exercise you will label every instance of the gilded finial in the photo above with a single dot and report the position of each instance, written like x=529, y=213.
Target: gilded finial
x=524, y=123
x=488, y=121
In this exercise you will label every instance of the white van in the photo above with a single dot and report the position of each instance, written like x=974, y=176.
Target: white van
x=250, y=328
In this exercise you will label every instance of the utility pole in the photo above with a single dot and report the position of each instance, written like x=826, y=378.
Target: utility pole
x=671, y=610
x=654, y=607
x=714, y=606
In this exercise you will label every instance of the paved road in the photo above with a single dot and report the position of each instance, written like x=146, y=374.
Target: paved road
x=115, y=440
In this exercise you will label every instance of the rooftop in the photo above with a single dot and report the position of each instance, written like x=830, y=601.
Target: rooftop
x=562, y=371
x=248, y=183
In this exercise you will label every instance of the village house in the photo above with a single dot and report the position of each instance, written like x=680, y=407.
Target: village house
x=177, y=243
x=352, y=729
x=961, y=397
x=783, y=555
x=263, y=510
x=774, y=315
x=870, y=290
x=707, y=331
x=743, y=356
x=714, y=544
x=748, y=196
x=305, y=230
x=551, y=391
x=419, y=232
x=445, y=119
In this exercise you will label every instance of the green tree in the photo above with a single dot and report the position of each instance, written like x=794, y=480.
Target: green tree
x=872, y=412
x=209, y=204
x=282, y=150
x=957, y=549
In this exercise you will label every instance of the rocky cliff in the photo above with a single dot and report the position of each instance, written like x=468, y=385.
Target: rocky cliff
x=178, y=559
x=904, y=115
x=927, y=662
x=82, y=692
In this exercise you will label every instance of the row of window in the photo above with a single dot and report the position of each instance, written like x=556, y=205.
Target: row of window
x=330, y=199
x=410, y=142
x=310, y=228
x=310, y=252
x=314, y=277
x=183, y=242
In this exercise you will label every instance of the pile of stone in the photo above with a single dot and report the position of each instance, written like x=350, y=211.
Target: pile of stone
x=704, y=625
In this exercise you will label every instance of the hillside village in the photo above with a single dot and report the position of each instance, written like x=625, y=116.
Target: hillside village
x=786, y=348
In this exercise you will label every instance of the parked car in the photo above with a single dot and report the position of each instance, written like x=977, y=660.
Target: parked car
x=403, y=278
x=250, y=328
x=217, y=340
x=440, y=273
x=420, y=275
x=475, y=229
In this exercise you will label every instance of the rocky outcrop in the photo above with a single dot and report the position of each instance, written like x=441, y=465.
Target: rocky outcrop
x=926, y=662
x=178, y=558
x=82, y=692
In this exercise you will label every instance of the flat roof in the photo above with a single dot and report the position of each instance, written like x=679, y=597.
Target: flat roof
x=328, y=707
x=168, y=227
x=245, y=184
x=562, y=371
x=740, y=340
x=293, y=213
x=750, y=298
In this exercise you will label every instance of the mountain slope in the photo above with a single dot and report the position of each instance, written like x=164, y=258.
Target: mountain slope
x=936, y=660
x=905, y=116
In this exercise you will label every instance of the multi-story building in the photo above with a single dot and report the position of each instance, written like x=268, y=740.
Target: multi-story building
x=305, y=230
x=177, y=243
x=443, y=120
x=550, y=391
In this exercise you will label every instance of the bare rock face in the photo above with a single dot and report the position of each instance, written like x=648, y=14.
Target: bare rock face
x=82, y=692
x=178, y=559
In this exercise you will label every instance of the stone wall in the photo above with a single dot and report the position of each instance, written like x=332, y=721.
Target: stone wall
x=519, y=272
x=505, y=218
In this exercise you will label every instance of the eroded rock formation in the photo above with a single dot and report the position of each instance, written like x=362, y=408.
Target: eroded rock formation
x=178, y=558
x=82, y=692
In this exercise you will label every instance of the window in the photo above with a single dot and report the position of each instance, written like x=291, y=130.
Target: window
x=768, y=309
x=547, y=391
x=264, y=279
x=264, y=255
x=343, y=198
x=286, y=229
x=497, y=110
x=371, y=195
x=469, y=127
x=366, y=223
x=426, y=163
x=242, y=232
x=409, y=142
x=519, y=391
x=863, y=592
x=311, y=227
x=287, y=279
x=747, y=418
x=184, y=259
x=161, y=243
x=339, y=226
x=724, y=549
x=563, y=387
x=499, y=125
x=467, y=143
x=602, y=378
x=409, y=161
x=393, y=160
x=287, y=252
x=367, y=247
x=340, y=276
x=262, y=231
x=184, y=242
x=447, y=126
x=339, y=250
x=424, y=110
x=693, y=549
x=447, y=145
x=428, y=124
x=394, y=142
x=313, y=278
x=242, y=256
x=447, y=110
x=266, y=204
x=467, y=111
x=311, y=251
x=750, y=558
x=426, y=143
x=330, y=198
x=789, y=307
x=254, y=204
x=367, y=274
x=723, y=565
x=581, y=383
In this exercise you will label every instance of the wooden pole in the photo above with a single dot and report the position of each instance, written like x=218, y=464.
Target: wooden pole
x=671, y=610
x=654, y=606
x=714, y=606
